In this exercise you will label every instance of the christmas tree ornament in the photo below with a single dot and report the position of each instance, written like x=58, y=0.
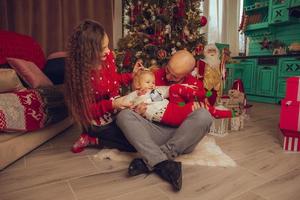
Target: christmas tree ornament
x=138, y=54
x=129, y=45
x=178, y=44
x=168, y=31
x=150, y=30
x=160, y=40
x=190, y=14
x=153, y=62
x=265, y=43
x=186, y=31
x=197, y=4
x=127, y=59
x=147, y=14
x=199, y=49
x=203, y=20
x=143, y=26
x=161, y=54
x=173, y=50
x=191, y=38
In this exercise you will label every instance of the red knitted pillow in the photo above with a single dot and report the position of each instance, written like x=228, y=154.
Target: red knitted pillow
x=20, y=46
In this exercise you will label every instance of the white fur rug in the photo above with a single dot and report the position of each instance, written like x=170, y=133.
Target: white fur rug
x=207, y=153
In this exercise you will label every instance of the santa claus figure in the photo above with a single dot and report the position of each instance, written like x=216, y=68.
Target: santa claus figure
x=208, y=70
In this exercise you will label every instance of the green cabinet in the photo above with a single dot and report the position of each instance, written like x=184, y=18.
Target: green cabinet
x=294, y=3
x=281, y=86
x=248, y=66
x=279, y=14
x=266, y=21
x=287, y=67
x=233, y=72
x=266, y=80
x=244, y=70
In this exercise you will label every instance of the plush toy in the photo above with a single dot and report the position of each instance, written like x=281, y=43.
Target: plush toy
x=236, y=97
x=208, y=71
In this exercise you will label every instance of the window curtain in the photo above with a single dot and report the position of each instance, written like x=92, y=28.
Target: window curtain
x=224, y=17
x=50, y=22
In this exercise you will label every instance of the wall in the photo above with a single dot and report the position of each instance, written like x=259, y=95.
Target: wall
x=117, y=22
x=50, y=22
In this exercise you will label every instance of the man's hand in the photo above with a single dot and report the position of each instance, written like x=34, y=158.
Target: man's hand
x=194, y=87
x=141, y=109
x=138, y=66
x=121, y=104
x=198, y=105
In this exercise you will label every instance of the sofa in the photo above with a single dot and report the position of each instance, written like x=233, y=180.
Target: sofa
x=32, y=109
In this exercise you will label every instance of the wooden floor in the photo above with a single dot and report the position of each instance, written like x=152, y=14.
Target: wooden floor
x=264, y=171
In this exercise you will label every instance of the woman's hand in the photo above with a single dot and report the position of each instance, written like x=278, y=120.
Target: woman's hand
x=141, y=109
x=121, y=104
x=141, y=92
x=138, y=66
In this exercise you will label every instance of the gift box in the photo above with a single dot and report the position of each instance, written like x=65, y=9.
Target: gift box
x=236, y=123
x=293, y=88
x=290, y=140
x=219, y=127
x=290, y=115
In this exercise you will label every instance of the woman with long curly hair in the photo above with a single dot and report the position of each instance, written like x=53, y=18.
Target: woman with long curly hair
x=92, y=87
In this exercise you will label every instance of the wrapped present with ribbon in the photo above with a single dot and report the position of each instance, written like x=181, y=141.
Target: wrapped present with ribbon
x=293, y=88
x=237, y=123
x=290, y=140
x=219, y=127
x=290, y=106
x=290, y=115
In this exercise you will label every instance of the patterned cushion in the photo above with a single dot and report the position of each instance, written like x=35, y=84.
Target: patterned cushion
x=9, y=81
x=29, y=72
x=21, y=111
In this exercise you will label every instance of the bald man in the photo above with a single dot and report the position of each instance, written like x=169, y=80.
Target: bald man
x=180, y=64
x=158, y=144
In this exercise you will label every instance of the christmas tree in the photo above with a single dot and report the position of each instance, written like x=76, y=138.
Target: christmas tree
x=158, y=28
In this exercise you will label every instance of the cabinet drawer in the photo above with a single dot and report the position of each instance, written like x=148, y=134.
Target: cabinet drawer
x=233, y=72
x=280, y=14
x=289, y=67
x=281, y=3
x=295, y=3
x=266, y=80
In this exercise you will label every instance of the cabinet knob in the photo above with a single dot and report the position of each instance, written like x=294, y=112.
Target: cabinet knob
x=266, y=67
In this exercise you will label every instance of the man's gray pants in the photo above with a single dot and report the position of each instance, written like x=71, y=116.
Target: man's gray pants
x=156, y=142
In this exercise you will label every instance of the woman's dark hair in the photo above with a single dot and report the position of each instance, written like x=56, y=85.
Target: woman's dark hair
x=84, y=51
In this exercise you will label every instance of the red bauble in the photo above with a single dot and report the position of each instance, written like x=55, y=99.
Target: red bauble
x=203, y=20
x=161, y=54
x=127, y=59
x=199, y=49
